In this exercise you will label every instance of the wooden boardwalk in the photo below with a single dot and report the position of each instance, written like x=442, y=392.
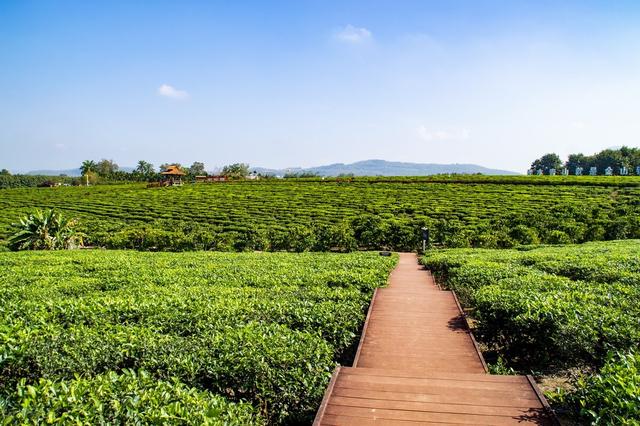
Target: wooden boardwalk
x=417, y=363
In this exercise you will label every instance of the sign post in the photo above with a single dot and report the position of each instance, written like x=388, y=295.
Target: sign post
x=425, y=237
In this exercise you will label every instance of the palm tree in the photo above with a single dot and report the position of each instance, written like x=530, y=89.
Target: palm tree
x=144, y=168
x=88, y=166
x=46, y=230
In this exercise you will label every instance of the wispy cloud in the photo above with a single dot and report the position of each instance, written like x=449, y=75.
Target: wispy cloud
x=169, y=91
x=442, y=135
x=353, y=35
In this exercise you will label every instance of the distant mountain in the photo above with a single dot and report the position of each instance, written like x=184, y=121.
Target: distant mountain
x=388, y=168
x=68, y=172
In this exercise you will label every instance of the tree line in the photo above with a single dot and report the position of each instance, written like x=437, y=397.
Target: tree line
x=145, y=171
x=108, y=171
x=619, y=160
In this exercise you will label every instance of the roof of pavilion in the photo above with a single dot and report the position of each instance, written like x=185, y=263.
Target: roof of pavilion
x=173, y=171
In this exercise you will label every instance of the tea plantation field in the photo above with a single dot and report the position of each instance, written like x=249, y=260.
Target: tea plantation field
x=96, y=336
x=335, y=214
x=554, y=308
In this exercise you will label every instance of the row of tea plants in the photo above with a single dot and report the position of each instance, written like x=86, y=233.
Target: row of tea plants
x=323, y=215
x=233, y=338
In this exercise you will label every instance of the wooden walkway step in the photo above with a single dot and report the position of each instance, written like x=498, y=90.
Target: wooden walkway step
x=417, y=363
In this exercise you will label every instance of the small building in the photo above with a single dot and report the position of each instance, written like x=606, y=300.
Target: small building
x=49, y=184
x=210, y=179
x=172, y=176
x=579, y=171
x=593, y=171
x=552, y=172
x=608, y=171
x=565, y=171
x=624, y=171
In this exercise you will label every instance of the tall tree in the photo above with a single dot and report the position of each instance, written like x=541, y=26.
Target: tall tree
x=88, y=166
x=106, y=167
x=5, y=172
x=609, y=158
x=197, y=169
x=144, y=168
x=236, y=170
x=632, y=155
x=576, y=160
x=546, y=162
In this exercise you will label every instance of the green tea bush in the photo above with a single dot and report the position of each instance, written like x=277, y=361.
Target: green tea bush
x=127, y=398
x=550, y=306
x=612, y=396
x=266, y=328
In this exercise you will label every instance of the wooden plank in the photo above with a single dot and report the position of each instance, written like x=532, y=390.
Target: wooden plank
x=458, y=354
x=427, y=383
x=443, y=364
x=444, y=394
x=346, y=371
x=333, y=420
x=430, y=407
x=425, y=397
x=425, y=339
x=470, y=419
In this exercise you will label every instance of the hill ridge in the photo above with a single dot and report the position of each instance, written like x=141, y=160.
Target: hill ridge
x=377, y=167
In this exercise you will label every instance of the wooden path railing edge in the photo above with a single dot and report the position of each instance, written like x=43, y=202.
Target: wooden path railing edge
x=326, y=397
x=364, y=328
x=552, y=417
x=468, y=326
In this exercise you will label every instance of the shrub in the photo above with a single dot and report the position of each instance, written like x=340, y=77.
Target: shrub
x=266, y=328
x=525, y=235
x=127, y=398
x=612, y=396
x=549, y=307
x=558, y=237
x=338, y=237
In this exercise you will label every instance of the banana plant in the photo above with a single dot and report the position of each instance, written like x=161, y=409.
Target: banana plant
x=45, y=230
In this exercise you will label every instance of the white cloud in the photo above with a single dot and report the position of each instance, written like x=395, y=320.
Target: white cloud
x=579, y=125
x=171, y=92
x=353, y=35
x=442, y=135
x=60, y=146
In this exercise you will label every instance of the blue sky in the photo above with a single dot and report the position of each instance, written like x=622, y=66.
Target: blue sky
x=305, y=83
